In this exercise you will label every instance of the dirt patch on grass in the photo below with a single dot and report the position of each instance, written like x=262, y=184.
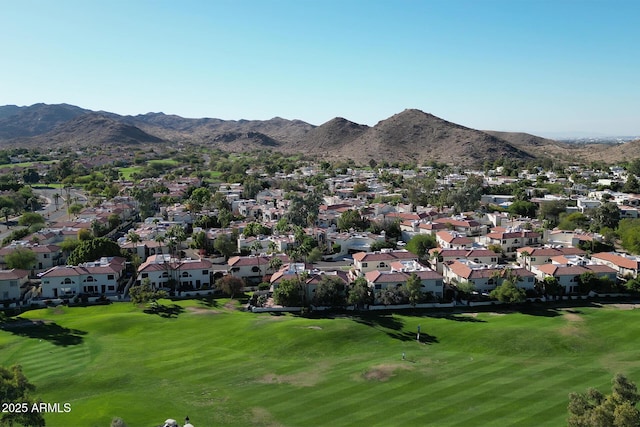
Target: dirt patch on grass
x=314, y=327
x=301, y=379
x=262, y=417
x=201, y=310
x=231, y=305
x=573, y=317
x=382, y=372
x=626, y=306
x=571, y=330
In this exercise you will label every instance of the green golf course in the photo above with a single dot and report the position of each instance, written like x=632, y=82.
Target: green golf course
x=222, y=366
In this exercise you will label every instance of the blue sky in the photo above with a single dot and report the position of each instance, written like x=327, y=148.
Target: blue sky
x=535, y=66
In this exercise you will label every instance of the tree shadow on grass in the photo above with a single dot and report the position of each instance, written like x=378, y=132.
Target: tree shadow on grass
x=165, y=311
x=541, y=311
x=43, y=330
x=457, y=317
x=392, y=326
x=379, y=320
x=208, y=301
x=412, y=336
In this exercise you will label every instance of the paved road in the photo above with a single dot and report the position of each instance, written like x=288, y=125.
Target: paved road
x=48, y=210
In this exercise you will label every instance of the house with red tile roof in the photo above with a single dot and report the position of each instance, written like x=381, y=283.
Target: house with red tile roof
x=484, y=277
x=98, y=277
x=469, y=227
x=252, y=268
x=47, y=256
x=162, y=270
x=364, y=262
x=430, y=281
x=625, y=265
x=439, y=256
x=568, y=275
x=511, y=240
x=11, y=282
x=453, y=240
x=529, y=256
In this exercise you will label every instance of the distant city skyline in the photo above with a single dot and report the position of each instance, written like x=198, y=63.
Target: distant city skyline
x=539, y=66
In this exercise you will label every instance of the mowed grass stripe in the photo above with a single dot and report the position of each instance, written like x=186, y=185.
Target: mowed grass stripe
x=237, y=369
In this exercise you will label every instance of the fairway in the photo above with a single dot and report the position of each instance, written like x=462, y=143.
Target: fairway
x=222, y=366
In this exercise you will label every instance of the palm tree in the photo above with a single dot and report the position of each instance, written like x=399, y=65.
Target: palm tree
x=256, y=247
x=159, y=240
x=525, y=255
x=56, y=199
x=133, y=237
x=275, y=263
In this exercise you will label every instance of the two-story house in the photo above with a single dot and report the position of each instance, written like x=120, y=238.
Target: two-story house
x=11, y=282
x=99, y=277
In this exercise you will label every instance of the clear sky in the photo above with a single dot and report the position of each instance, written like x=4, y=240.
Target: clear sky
x=537, y=66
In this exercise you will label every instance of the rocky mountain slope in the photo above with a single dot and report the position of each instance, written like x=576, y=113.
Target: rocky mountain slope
x=409, y=136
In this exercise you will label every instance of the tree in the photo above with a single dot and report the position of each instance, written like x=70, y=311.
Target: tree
x=508, y=293
x=176, y=236
x=550, y=211
x=144, y=293
x=314, y=255
x=94, y=249
x=68, y=245
x=359, y=293
x=15, y=388
x=56, y=199
x=631, y=185
x=275, y=263
x=552, y=286
x=200, y=241
x=572, y=221
x=420, y=244
x=225, y=245
x=255, y=229
x=133, y=237
x=113, y=221
x=414, y=288
x=289, y=293
x=74, y=209
x=594, y=408
x=30, y=218
x=351, y=219
x=329, y=292
x=20, y=258
x=522, y=208
x=230, y=285
x=607, y=215
x=360, y=187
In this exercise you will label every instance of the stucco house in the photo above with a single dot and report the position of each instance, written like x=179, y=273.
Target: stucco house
x=99, y=277
x=164, y=271
x=568, y=275
x=625, y=265
x=485, y=278
x=364, y=262
x=47, y=256
x=439, y=256
x=11, y=282
x=511, y=240
x=453, y=240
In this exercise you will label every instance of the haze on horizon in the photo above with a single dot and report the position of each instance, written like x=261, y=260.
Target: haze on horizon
x=543, y=67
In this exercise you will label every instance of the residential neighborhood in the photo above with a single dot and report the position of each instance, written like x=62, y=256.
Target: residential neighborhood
x=381, y=227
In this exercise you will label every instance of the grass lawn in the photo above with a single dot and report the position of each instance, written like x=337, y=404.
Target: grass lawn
x=221, y=366
x=128, y=171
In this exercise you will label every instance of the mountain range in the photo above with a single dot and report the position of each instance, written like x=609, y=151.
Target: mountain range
x=409, y=136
